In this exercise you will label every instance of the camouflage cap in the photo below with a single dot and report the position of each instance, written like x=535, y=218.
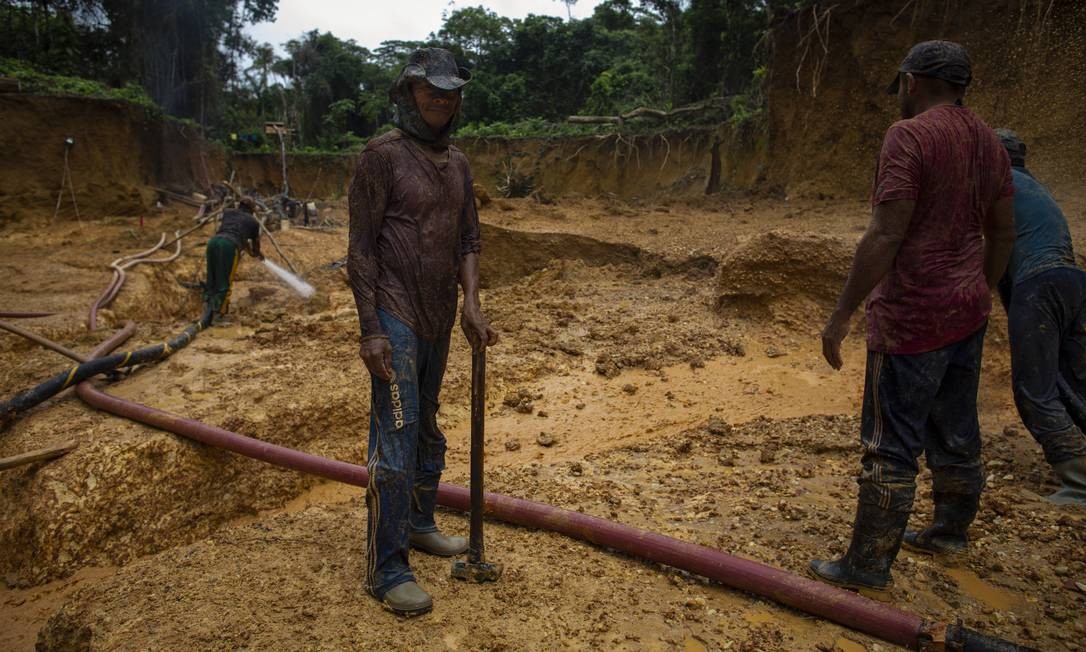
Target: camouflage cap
x=436, y=66
x=1014, y=146
x=944, y=60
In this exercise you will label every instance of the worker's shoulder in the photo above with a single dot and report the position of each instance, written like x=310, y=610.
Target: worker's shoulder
x=458, y=154
x=385, y=142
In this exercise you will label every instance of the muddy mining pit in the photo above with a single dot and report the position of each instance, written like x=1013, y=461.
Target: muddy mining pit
x=678, y=393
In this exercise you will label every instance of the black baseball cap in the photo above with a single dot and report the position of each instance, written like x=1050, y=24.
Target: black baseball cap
x=944, y=60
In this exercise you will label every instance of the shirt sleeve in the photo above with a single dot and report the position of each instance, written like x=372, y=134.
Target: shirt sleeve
x=254, y=234
x=367, y=200
x=898, y=176
x=470, y=239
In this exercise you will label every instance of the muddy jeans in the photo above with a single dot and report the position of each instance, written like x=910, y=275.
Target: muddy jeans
x=406, y=454
x=1046, y=320
x=922, y=403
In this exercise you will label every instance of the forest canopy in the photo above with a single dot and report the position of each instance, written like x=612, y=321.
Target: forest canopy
x=194, y=60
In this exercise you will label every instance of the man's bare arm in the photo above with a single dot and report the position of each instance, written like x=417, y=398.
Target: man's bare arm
x=999, y=234
x=873, y=261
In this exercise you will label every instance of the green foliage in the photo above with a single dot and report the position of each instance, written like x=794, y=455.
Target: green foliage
x=748, y=108
x=624, y=87
x=39, y=82
x=529, y=128
x=195, y=61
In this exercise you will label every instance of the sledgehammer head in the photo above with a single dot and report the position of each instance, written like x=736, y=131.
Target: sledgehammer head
x=477, y=572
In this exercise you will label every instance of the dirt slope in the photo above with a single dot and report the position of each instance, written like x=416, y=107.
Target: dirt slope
x=119, y=153
x=831, y=63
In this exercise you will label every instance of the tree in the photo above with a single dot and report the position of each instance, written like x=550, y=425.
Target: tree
x=475, y=31
x=332, y=77
x=569, y=8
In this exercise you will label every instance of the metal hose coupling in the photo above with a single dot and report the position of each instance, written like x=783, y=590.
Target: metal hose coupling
x=956, y=637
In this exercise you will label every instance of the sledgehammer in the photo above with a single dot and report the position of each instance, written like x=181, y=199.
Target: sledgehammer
x=475, y=569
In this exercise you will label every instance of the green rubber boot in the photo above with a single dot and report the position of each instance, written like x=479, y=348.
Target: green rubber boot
x=1072, y=475
x=438, y=544
x=408, y=599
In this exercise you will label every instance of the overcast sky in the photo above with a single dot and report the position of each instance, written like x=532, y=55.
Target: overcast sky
x=371, y=21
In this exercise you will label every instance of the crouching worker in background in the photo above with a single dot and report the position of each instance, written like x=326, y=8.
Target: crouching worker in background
x=1044, y=293
x=238, y=231
x=414, y=233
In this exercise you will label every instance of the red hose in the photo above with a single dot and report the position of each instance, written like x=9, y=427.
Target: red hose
x=119, y=266
x=840, y=606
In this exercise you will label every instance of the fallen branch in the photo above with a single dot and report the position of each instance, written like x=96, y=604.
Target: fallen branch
x=35, y=456
x=647, y=112
x=594, y=119
x=178, y=197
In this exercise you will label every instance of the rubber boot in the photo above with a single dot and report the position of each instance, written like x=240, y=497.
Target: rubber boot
x=408, y=599
x=1072, y=475
x=947, y=536
x=876, y=538
x=438, y=544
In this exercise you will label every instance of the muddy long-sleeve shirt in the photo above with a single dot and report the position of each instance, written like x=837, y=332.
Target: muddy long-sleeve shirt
x=412, y=221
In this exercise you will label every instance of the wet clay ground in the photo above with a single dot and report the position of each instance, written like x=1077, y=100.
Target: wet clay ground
x=659, y=366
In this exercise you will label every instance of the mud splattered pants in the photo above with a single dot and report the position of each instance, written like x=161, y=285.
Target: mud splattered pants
x=922, y=403
x=1047, y=327
x=222, y=262
x=406, y=454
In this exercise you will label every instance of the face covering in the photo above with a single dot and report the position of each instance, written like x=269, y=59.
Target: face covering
x=408, y=118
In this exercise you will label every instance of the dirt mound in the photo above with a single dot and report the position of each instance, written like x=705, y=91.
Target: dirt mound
x=782, y=275
x=128, y=491
x=511, y=255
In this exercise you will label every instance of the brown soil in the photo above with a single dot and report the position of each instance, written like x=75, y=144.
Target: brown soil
x=827, y=110
x=665, y=344
x=120, y=151
x=614, y=331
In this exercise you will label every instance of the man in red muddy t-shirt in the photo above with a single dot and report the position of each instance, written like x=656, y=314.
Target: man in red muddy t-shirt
x=940, y=237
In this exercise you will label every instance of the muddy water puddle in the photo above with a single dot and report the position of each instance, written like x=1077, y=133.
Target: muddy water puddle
x=325, y=493
x=22, y=611
x=588, y=413
x=973, y=586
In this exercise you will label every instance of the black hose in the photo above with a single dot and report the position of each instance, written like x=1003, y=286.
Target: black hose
x=961, y=638
x=77, y=373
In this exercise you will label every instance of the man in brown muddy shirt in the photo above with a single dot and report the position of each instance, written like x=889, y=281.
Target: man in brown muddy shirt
x=414, y=234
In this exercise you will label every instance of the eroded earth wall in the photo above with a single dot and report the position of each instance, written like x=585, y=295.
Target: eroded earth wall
x=832, y=62
x=120, y=152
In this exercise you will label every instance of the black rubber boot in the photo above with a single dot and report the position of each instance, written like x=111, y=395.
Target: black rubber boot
x=947, y=536
x=1072, y=475
x=876, y=538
